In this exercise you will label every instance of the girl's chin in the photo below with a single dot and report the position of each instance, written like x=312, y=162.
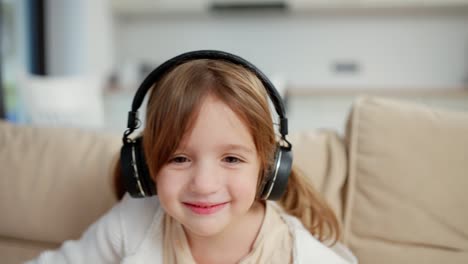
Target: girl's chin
x=205, y=230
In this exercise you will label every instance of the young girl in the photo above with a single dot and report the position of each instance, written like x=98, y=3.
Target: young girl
x=209, y=142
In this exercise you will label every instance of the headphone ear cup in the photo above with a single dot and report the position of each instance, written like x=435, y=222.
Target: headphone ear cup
x=135, y=174
x=277, y=180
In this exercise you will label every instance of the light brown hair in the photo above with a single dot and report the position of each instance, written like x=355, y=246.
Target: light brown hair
x=174, y=105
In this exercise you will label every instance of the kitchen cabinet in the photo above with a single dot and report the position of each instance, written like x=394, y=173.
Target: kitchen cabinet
x=294, y=6
x=159, y=6
x=411, y=3
x=304, y=5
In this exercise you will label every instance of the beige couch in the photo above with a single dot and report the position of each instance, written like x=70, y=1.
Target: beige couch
x=398, y=180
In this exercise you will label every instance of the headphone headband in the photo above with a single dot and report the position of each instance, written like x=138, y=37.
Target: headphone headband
x=157, y=73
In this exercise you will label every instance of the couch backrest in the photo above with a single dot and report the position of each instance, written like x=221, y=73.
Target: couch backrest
x=408, y=176
x=47, y=162
x=321, y=156
x=54, y=181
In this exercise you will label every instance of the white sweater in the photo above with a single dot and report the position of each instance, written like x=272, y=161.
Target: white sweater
x=131, y=232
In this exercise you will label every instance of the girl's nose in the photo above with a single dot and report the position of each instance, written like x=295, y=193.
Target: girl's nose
x=205, y=178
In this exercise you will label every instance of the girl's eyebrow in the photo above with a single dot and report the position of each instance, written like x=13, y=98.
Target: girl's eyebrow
x=237, y=147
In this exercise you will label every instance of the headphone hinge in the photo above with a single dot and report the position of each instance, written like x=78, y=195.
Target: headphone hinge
x=288, y=144
x=132, y=119
x=283, y=126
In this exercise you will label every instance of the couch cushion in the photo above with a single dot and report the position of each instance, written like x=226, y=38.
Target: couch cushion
x=14, y=251
x=321, y=155
x=54, y=181
x=408, y=176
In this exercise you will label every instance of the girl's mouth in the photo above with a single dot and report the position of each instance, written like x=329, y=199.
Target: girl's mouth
x=204, y=208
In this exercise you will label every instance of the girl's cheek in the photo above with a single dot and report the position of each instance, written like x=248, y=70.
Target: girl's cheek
x=246, y=183
x=171, y=182
x=163, y=182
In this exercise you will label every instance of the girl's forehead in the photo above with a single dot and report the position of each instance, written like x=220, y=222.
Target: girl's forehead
x=217, y=124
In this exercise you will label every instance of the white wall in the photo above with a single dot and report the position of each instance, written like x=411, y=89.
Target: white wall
x=393, y=51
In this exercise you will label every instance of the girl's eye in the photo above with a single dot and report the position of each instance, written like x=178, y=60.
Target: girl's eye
x=231, y=159
x=180, y=159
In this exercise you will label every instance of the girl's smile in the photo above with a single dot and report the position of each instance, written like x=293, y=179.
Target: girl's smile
x=205, y=208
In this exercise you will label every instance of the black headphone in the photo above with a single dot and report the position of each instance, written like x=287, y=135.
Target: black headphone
x=135, y=175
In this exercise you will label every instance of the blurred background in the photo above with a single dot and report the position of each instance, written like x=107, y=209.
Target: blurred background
x=79, y=62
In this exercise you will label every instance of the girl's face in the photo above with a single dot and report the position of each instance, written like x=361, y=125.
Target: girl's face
x=210, y=182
